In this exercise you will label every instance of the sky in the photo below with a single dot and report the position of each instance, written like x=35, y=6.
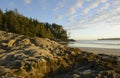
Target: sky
x=83, y=19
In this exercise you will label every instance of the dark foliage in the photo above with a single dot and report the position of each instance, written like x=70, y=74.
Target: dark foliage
x=12, y=21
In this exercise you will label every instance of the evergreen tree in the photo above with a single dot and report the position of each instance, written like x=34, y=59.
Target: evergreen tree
x=12, y=21
x=1, y=15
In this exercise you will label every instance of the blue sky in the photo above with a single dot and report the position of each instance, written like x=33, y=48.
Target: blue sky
x=83, y=19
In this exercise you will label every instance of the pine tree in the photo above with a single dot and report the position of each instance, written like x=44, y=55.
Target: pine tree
x=12, y=21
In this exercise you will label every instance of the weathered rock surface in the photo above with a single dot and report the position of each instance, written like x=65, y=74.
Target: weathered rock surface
x=26, y=57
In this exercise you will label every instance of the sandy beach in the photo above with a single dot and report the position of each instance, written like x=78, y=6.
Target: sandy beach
x=102, y=50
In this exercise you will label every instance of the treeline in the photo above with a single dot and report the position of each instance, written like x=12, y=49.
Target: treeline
x=109, y=39
x=12, y=21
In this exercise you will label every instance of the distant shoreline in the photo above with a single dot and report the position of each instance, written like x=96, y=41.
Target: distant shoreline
x=109, y=39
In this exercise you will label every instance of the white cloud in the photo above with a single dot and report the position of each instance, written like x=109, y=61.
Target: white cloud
x=115, y=3
x=71, y=18
x=27, y=1
x=91, y=6
x=86, y=10
x=98, y=18
x=107, y=5
x=72, y=10
x=59, y=17
x=103, y=8
x=116, y=25
x=110, y=16
x=61, y=4
x=79, y=4
x=76, y=26
x=103, y=1
x=94, y=5
x=104, y=13
x=117, y=9
x=114, y=19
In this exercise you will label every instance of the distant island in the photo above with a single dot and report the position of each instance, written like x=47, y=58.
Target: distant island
x=109, y=39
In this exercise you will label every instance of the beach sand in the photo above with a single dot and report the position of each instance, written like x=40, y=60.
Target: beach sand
x=102, y=51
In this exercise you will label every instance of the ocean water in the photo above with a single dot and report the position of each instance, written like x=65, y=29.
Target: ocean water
x=111, y=44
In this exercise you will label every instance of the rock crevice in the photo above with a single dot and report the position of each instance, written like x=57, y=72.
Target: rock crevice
x=27, y=57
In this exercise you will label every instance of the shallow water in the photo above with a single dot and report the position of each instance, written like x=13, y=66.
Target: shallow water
x=110, y=44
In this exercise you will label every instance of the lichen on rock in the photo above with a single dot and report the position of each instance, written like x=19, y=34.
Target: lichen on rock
x=26, y=57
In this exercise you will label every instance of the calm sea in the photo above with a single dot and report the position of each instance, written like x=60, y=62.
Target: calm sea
x=112, y=44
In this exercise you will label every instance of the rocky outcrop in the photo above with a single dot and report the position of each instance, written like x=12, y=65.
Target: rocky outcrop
x=22, y=56
x=26, y=57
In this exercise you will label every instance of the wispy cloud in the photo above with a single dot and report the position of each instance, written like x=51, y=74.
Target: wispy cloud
x=105, y=13
x=117, y=9
x=61, y=4
x=84, y=13
x=106, y=6
x=91, y=6
x=59, y=17
x=27, y=1
x=103, y=1
x=107, y=16
x=116, y=25
x=79, y=4
x=72, y=18
x=74, y=8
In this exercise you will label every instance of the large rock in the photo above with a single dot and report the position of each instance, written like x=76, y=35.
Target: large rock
x=22, y=56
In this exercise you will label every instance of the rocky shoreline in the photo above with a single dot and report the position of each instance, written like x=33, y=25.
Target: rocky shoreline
x=26, y=57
